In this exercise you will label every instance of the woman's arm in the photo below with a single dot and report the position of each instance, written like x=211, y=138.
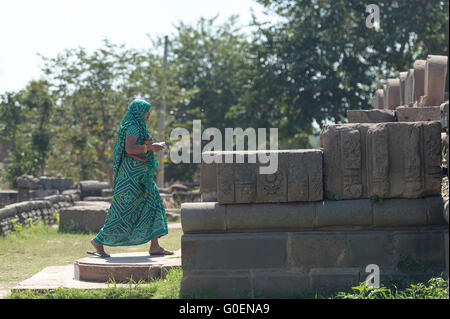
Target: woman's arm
x=131, y=147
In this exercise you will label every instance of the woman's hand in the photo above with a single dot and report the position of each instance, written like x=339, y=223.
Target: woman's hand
x=156, y=147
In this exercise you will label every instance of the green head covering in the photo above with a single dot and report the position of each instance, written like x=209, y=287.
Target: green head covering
x=135, y=116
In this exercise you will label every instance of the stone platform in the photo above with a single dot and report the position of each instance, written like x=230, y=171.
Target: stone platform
x=97, y=271
x=121, y=267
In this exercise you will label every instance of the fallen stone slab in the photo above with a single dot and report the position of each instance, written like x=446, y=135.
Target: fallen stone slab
x=87, y=218
x=122, y=267
x=386, y=160
x=92, y=188
x=370, y=116
x=417, y=114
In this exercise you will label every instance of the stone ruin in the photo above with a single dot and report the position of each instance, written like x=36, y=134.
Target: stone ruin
x=417, y=95
x=80, y=207
x=370, y=196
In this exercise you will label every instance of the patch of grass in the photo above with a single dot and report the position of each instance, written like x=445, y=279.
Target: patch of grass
x=27, y=252
x=167, y=288
x=435, y=288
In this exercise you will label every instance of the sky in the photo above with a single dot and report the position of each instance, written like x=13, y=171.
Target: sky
x=28, y=27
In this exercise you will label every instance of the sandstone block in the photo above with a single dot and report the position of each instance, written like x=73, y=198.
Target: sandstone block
x=233, y=251
x=271, y=216
x=426, y=248
x=378, y=102
x=370, y=116
x=417, y=114
x=280, y=284
x=371, y=247
x=298, y=178
x=392, y=94
x=203, y=217
x=435, y=77
x=344, y=213
x=388, y=160
x=398, y=212
x=402, y=78
x=86, y=218
x=303, y=250
x=236, y=284
x=92, y=188
x=409, y=88
x=419, y=79
x=328, y=280
x=208, y=182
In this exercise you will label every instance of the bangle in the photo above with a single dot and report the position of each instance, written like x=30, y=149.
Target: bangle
x=145, y=148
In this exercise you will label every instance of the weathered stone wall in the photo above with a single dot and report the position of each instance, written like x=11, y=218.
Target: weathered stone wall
x=36, y=209
x=241, y=249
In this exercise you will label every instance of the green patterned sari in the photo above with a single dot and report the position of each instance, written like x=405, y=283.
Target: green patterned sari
x=137, y=213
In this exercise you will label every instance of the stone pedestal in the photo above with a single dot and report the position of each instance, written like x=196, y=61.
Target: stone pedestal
x=435, y=77
x=419, y=79
x=392, y=94
x=379, y=99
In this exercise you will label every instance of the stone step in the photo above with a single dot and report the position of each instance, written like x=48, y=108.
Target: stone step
x=138, y=265
x=211, y=217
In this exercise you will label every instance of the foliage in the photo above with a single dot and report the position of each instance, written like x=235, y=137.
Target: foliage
x=318, y=59
x=435, y=288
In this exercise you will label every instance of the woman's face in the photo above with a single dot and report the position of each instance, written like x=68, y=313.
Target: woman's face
x=147, y=115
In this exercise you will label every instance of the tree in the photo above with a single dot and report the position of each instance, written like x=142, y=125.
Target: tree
x=319, y=59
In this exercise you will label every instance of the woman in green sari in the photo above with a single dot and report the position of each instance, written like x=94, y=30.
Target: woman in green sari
x=136, y=215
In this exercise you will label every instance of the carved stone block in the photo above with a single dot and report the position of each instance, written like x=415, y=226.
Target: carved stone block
x=298, y=178
x=388, y=160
